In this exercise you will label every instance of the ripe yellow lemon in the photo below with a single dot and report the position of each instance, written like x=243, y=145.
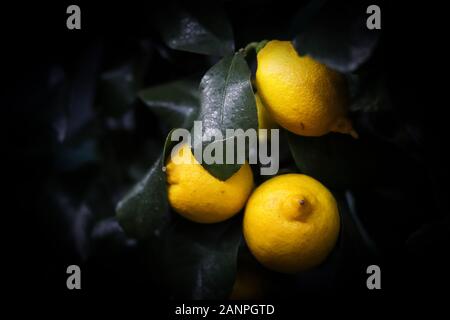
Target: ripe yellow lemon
x=265, y=121
x=302, y=95
x=291, y=223
x=197, y=195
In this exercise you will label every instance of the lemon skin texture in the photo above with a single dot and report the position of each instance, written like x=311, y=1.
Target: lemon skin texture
x=302, y=95
x=291, y=223
x=265, y=120
x=198, y=196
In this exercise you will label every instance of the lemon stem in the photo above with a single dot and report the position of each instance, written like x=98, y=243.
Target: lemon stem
x=253, y=46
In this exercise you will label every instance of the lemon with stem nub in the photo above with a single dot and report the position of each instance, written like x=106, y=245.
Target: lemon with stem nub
x=198, y=196
x=291, y=223
x=302, y=95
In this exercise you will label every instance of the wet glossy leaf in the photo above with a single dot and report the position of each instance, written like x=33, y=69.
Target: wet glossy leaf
x=227, y=102
x=176, y=103
x=202, y=29
x=144, y=210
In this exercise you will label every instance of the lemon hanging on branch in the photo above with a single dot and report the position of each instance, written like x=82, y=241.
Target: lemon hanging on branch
x=198, y=196
x=304, y=96
x=291, y=223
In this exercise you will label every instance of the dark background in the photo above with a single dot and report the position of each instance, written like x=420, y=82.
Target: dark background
x=64, y=194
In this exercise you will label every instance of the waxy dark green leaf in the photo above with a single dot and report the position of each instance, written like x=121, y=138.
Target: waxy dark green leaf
x=227, y=102
x=340, y=162
x=175, y=103
x=336, y=160
x=199, y=261
x=144, y=210
x=204, y=30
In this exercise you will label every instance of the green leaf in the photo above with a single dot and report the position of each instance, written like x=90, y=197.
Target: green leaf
x=199, y=260
x=201, y=29
x=227, y=102
x=176, y=103
x=337, y=35
x=144, y=211
x=336, y=160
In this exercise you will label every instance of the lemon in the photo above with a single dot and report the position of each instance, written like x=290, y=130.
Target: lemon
x=291, y=223
x=198, y=196
x=265, y=121
x=302, y=95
